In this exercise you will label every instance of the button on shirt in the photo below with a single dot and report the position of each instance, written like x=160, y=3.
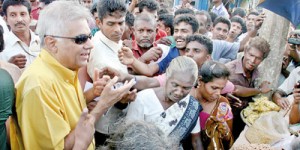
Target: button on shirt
x=220, y=11
x=104, y=54
x=14, y=46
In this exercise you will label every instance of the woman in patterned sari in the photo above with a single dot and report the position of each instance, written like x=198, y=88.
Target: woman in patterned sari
x=216, y=116
x=171, y=108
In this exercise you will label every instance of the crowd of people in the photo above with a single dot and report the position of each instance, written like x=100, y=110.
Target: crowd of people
x=117, y=75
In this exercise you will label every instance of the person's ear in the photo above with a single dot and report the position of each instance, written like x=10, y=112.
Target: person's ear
x=99, y=23
x=199, y=81
x=168, y=30
x=208, y=57
x=51, y=44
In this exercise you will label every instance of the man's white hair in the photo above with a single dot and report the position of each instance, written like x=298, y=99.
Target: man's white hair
x=57, y=16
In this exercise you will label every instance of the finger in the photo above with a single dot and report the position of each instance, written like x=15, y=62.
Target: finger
x=126, y=87
x=112, y=82
x=96, y=74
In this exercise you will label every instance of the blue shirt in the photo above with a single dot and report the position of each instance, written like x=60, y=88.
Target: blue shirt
x=163, y=65
x=224, y=51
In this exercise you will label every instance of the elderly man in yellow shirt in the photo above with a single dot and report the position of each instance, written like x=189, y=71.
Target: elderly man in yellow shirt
x=50, y=106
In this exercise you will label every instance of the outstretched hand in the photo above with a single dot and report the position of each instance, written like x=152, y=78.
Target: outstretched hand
x=126, y=56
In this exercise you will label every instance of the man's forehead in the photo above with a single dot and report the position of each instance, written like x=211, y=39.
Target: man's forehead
x=221, y=24
x=114, y=17
x=183, y=25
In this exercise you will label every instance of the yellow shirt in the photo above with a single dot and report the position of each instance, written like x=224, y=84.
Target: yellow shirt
x=49, y=102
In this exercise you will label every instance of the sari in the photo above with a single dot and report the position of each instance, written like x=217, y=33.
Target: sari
x=214, y=137
x=179, y=120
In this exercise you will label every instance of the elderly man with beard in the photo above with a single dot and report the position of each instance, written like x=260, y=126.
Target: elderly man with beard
x=143, y=47
x=183, y=27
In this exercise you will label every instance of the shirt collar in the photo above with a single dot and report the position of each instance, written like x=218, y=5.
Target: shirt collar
x=240, y=70
x=109, y=43
x=219, y=7
x=12, y=39
x=67, y=75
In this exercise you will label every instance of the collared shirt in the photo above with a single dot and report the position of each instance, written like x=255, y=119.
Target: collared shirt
x=288, y=85
x=224, y=51
x=220, y=11
x=137, y=52
x=49, y=102
x=14, y=46
x=238, y=75
x=104, y=54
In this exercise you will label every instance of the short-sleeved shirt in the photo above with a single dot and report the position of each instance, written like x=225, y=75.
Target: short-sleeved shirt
x=104, y=54
x=224, y=51
x=14, y=46
x=49, y=102
x=288, y=85
x=238, y=75
x=163, y=65
x=220, y=11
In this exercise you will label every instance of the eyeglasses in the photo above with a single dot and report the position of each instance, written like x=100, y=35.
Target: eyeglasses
x=79, y=39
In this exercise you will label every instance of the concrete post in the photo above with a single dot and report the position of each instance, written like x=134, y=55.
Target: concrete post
x=274, y=29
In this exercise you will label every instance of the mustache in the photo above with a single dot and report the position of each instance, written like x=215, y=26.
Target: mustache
x=20, y=23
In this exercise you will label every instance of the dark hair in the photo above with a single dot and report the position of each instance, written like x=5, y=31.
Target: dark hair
x=183, y=11
x=162, y=11
x=151, y=5
x=47, y=2
x=108, y=7
x=167, y=21
x=189, y=19
x=203, y=40
x=211, y=70
x=253, y=13
x=1, y=39
x=241, y=22
x=239, y=11
x=203, y=12
x=260, y=44
x=222, y=20
x=129, y=19
x=213, y=16
x=8, y=3
x=94, y=8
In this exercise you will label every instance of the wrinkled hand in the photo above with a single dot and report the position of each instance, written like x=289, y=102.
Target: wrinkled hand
x=283, y=103
x=129, y=97
x=264, y=86
x=234, y=101
x=110, y=96
x=126, y=56
x=164, y=40
x=153, y=53
x=19, y=60
x=259, y=20
x=84, y=131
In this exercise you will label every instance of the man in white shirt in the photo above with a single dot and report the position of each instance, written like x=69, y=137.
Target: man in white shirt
x=107, y=41
x=22, y=45
x=219, y=9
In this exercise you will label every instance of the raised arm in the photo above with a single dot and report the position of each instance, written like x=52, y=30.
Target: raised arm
x=126, y=57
